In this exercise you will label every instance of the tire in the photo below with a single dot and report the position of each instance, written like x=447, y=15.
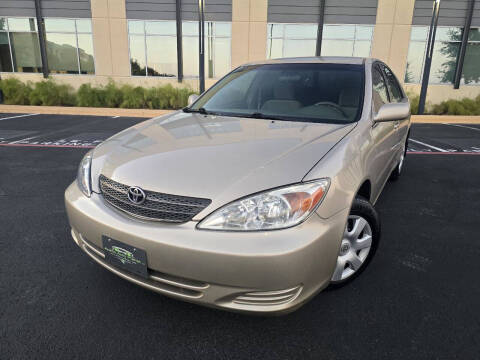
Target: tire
x=361, y=209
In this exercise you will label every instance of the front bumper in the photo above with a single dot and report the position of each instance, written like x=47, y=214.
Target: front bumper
x=268, y=271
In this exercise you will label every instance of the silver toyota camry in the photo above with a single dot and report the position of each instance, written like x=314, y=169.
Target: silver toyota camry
x=255, y=197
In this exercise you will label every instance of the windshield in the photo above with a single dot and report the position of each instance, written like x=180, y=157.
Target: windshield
x=300, y=92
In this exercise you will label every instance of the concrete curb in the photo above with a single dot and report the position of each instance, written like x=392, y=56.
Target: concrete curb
x=451, y=119
x=64, y=110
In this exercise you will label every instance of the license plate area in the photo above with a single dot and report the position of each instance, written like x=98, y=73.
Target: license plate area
x=125, y=257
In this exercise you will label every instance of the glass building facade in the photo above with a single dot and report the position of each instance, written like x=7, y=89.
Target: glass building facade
x=444, y=60
x=291, y=40
x=19, y=46
x=153, y=48
x=69, y=45
x=136, y=41
x=218, y=38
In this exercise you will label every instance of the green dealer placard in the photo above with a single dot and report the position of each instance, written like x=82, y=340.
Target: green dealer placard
x=124, y=256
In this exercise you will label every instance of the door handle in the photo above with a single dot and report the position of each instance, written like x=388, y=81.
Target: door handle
x=396, y=125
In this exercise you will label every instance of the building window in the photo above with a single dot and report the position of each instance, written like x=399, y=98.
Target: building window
x=471, y=70
x=19, y=46
x=347, y=40
x=291, y=40
x=69, y=46
x=444, y=60
x=153, y=48
x=217, y=48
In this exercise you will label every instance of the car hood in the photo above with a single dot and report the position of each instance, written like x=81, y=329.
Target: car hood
x=215, y=157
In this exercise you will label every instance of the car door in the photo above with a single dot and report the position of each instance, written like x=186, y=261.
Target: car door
x=396, y=96
x=383, y=133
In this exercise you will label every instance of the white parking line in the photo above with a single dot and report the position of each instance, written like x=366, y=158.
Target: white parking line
x=26, y=139
x=18, y=116
x=430, y=146
x=463, y=126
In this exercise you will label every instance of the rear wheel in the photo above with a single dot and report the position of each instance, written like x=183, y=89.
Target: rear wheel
x=359, y=242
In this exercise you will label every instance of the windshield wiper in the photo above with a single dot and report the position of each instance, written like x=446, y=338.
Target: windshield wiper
x=201, y=110
x=255, y=115
x=259, y=115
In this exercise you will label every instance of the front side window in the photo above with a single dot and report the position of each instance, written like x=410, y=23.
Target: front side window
x=380, y=92
x=153, y=48
x=69, y=46
x=19, y=46
x=217, y=48
x=292, y=40
x=444, y=61
x=298, y=92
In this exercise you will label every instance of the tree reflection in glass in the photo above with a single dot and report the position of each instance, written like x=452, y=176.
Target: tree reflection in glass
x=445, y=55
x=62, y=53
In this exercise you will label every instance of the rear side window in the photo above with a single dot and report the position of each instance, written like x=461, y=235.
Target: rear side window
x=379, y=93
x=396, y=94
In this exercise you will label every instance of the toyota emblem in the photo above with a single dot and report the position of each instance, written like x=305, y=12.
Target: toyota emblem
x=136, y=195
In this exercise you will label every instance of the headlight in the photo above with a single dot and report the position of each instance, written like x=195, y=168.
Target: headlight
x=270, y=210
x=83, y=176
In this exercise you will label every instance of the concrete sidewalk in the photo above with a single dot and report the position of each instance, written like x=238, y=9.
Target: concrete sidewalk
x=147, y=113
x=450, y=119
x=66, y=110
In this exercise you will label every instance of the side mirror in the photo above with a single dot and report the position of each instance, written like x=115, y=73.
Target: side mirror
x=192, y=98
x=392, y=112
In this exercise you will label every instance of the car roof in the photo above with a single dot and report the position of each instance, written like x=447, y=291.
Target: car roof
x=316, y=60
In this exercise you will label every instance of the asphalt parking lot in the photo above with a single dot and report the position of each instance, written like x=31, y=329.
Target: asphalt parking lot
x=419, y=298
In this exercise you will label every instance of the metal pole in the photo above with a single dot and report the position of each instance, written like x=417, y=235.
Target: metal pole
x=178, y=18
x=1, y=92
x=463, y=46
x=428, y=56
x=201, y=44
x=41, y=37
x=321, y=17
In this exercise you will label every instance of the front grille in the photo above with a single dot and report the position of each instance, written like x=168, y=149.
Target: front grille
x=157, y=206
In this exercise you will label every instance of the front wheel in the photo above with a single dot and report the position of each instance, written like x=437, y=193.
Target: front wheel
x=359, y=243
